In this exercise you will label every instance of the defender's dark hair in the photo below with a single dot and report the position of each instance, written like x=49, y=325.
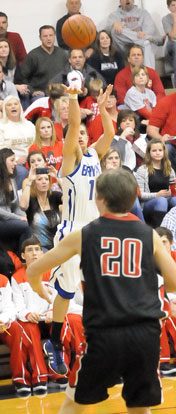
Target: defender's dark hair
x=118, y=188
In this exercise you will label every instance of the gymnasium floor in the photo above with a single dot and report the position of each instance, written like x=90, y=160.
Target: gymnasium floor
x=50, y=403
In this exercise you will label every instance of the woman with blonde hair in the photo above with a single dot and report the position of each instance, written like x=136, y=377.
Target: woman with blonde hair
x=61, y=113
x=16, y=133
x=154, y=179
x=46, y=142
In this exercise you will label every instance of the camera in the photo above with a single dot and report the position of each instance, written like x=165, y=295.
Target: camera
x=42, y=170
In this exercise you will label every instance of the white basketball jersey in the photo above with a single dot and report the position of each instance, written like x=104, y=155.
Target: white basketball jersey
x=79, y=206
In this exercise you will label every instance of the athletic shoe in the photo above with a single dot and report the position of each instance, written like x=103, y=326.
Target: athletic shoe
x=22, y=390
x=168, y=369
x=55, y=358
x=40, y=388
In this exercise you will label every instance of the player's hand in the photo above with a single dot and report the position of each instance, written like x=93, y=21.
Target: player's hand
x=103, y=97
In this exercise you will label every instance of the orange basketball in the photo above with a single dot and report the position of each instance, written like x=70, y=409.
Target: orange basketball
x=78, y=31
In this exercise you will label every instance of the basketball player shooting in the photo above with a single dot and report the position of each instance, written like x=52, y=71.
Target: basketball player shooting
x=121, y=311
x=80, y=167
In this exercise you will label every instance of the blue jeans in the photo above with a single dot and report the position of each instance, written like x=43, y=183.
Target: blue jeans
x=155, y=209
x=137, y=210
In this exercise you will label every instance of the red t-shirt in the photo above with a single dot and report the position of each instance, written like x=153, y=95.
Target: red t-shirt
x=95, y=129
x=53, y=153
x=59, y=131
x=163, y=116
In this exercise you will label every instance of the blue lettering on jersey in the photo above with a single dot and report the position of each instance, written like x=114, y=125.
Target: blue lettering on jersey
x=91, y=170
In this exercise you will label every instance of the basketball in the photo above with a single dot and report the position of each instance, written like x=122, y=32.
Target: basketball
x=78, y=31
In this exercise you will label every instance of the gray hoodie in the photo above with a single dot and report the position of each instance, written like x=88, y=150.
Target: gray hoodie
x=136, y=19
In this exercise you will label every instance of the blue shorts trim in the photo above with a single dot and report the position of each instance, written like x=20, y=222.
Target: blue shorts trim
x=63, y=293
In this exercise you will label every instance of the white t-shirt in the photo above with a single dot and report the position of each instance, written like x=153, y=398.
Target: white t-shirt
x=136, y=100
x=18, y=136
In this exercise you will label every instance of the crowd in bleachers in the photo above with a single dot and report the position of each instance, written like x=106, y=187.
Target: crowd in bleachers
x=34, y=119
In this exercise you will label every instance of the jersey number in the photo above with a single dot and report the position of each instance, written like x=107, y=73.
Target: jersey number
x=91, y=182
x=123, y=257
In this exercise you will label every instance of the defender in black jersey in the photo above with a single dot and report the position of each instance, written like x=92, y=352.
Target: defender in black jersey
x=122, y=308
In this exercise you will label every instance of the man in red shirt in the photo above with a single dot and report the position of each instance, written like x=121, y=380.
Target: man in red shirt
x=123, y=79
x=14, y=39
x=162, y=124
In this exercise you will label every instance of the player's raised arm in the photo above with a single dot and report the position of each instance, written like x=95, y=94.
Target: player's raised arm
x=103, y=143
x=67, y=248
x=71, y=149
x=164, y=263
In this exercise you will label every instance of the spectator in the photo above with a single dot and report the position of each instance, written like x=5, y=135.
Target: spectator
x=95, y=128
x=131, y=24
x=14, y=336
x=61, y=113
x=42, y=63
x=16, y=133
x=46, y=142
x=8, y=60
x=6, y=87
x=37, y=159
x=138, y=97
x=162, y=125
x=73, y=7
x=112, y=160
x=77, y=61
x=169, y=221
x=13, y=223
x=33, y=314
x=154, y=179
x=41, y=206
x=169, y=25
x=14, y=39
x=89, y=106
x=106, y=59
x=123, y=79
x=45, y=106
x=127, y=133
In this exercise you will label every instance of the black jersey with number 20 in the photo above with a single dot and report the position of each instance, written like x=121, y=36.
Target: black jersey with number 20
x=121, y=283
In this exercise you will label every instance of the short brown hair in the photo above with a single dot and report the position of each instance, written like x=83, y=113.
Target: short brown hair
x=169, y=2
x=136, y=70
x=118, y=188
